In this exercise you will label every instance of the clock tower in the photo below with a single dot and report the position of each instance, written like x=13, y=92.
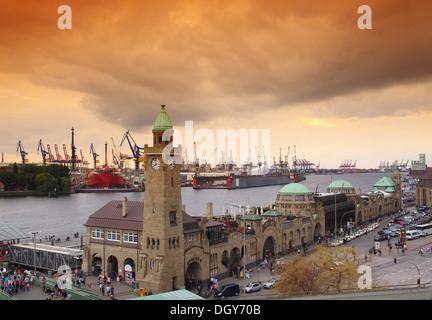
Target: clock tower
x=161, y=260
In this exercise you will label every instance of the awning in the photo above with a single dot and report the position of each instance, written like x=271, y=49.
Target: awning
x=9, y=233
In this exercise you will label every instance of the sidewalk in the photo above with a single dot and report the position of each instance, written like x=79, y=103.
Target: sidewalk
x=89, y=291
x=257, y=274
x=122, y=290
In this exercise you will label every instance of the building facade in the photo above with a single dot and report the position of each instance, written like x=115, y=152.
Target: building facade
x=424, y=190
x=157, y=244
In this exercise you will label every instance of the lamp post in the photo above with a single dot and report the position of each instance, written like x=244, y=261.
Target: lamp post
x=418, y=270
x=34, y=252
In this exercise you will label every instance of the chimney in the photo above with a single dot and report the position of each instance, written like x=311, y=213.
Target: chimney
x=124, y=207
x=209, y=212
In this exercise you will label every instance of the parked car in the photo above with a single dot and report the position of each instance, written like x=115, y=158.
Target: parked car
x=252, y=287
x=227, y=290
x=269, y=284
x=402, y=223
x=413, y=234
x=380, y=237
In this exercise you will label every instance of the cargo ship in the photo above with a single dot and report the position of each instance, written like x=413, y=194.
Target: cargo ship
x=238, y=181
x=106, y=179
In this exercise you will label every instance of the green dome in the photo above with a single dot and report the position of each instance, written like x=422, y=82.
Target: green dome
x=295, y=188
x=384, y=184
x=337, y=184
x=163, y=121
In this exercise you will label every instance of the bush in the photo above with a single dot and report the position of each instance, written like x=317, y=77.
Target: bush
x=45, y=182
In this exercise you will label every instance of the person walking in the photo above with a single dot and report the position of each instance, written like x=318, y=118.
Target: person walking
x=102, y=289
x=43, y=284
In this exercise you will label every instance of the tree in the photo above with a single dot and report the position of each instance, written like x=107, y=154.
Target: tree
x=326, y=270
x=45, y=182
x=65, y=185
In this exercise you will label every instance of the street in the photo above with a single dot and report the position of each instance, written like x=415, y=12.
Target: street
x=385, y=271
x=408, y=265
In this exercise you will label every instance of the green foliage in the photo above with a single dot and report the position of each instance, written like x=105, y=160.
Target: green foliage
x=39, y=178
x=45, y=182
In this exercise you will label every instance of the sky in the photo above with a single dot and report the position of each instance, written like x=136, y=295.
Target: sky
x=303, y=70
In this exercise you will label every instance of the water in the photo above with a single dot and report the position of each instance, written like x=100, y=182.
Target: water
x=66, y=215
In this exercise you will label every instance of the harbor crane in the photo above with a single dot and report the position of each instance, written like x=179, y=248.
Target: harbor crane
x=117, y=157
x=94, y=154
x=50, y=155
x=59, y=159
x=20, y=149
x=136, y=151
x=84, y=162
x=44, y=153
x=67, y=158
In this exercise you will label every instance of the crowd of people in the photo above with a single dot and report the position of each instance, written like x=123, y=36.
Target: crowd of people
x=105, y=286
x=15, y=280
x=55, y=292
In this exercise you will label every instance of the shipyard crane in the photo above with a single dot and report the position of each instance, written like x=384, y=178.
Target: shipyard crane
x=196, y=158
x=280, y=159
x=116, y=155
x=84, y=162
x=94, y=154
x=59, y=159
x=44, y=153
x=67, y=158
x=21, y=150
x=50, y=155
x=286, y=158
x=115, y=159
x=136, y=151
x=295, y=160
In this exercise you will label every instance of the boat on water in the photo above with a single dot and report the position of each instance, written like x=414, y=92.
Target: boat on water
x=244, y=180
x=106, y=179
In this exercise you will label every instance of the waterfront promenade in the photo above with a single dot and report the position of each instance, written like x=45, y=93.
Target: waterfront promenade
x=122, y=291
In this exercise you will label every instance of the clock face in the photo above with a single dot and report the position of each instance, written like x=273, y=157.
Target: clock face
x=155, y=164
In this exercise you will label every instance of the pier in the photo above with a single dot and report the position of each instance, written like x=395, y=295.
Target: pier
x=47, y=257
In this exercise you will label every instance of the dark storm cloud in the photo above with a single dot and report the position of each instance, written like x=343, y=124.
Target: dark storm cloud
x=210, y=59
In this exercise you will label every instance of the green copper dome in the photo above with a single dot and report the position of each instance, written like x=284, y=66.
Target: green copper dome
x=163, y=121
x=295, y=188
x=384, y=184
x=338, y=184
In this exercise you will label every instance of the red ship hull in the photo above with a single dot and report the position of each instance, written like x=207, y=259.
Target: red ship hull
x=106, y=179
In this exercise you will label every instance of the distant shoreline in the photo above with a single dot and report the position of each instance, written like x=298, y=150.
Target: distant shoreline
x=5, y=194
